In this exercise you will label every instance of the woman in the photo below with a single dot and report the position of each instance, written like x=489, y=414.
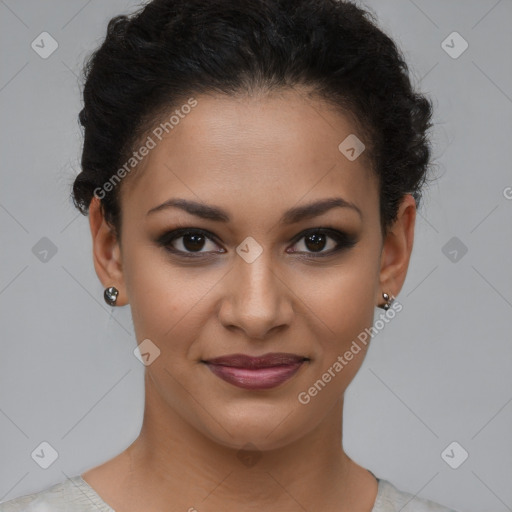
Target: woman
x=251, y=171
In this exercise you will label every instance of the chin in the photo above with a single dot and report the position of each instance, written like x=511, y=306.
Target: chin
x=264, y=431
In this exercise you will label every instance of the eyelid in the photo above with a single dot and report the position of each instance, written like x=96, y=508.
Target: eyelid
x=325, y=229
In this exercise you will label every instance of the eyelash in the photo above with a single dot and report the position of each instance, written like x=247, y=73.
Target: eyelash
x=343, y=240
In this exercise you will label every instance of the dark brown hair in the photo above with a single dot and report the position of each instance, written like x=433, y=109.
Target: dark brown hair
x=171, y=49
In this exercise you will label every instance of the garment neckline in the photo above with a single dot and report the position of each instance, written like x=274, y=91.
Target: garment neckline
x=99, y=500
x=93, y=495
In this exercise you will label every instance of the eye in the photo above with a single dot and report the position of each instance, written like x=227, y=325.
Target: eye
x=316, y=240
x=188, y=242
x=195, y=242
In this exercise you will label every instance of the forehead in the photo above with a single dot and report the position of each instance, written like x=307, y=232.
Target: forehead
x=258, y=151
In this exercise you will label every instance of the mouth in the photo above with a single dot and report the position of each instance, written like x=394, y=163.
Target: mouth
x=263, y=372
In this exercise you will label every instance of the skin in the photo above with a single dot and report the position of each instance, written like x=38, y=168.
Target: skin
x=254, y=157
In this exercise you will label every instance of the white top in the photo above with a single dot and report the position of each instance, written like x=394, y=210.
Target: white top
x=75, y=494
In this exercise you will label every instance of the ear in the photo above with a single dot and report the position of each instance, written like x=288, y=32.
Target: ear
x=106, y=252
x=397, y=248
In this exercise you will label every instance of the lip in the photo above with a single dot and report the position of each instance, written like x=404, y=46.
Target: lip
x=263, y=372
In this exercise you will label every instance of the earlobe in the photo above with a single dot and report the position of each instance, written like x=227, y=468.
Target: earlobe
x=397, y=248
x=106, y=251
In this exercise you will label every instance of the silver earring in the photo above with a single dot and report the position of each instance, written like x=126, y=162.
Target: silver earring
x=110, y=295
x=389, y=300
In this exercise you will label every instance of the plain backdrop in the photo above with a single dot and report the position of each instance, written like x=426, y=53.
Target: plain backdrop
x=438, y=373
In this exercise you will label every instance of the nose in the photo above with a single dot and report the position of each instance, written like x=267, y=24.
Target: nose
x=256, y=300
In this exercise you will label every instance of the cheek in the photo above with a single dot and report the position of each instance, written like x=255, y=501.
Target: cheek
x=343, y=307
x=343, y=297
x=166, y=300
x=343, y=303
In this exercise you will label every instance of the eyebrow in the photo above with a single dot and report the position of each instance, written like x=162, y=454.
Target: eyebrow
x=317, y=208
x=194, y=208
x=291, y=216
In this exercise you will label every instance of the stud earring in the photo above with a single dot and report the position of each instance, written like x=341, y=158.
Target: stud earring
x=110, y=295
x=389, y=300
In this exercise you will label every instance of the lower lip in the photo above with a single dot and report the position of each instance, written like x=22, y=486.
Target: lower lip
x=262, y=378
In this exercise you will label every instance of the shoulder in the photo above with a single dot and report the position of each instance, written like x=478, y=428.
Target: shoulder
x=72, y=494
x=390, y=499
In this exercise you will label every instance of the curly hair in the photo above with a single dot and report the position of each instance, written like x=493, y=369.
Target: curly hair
x=169, y=49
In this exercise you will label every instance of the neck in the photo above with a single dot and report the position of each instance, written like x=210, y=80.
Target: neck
x=172, y=463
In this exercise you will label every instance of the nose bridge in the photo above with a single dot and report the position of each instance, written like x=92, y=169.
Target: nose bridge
x=256, y=300
x=258, y=279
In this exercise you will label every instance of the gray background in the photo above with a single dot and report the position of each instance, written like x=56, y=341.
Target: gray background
x=439, y=372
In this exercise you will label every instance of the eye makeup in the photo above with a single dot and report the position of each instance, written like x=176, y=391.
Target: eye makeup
x=192, y=236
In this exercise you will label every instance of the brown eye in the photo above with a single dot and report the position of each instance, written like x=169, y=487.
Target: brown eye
x=316, y=241
x=323, y=241
x=187, y=241
x=193, y=241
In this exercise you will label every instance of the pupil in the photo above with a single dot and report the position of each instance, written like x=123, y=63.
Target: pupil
x=197, y=241
x=318, y=241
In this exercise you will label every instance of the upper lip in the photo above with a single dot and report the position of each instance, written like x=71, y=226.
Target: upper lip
x=263, y=361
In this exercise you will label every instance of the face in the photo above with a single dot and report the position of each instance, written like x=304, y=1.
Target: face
x=257, y=272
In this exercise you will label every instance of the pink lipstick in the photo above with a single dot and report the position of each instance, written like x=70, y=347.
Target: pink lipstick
x=263, y=372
